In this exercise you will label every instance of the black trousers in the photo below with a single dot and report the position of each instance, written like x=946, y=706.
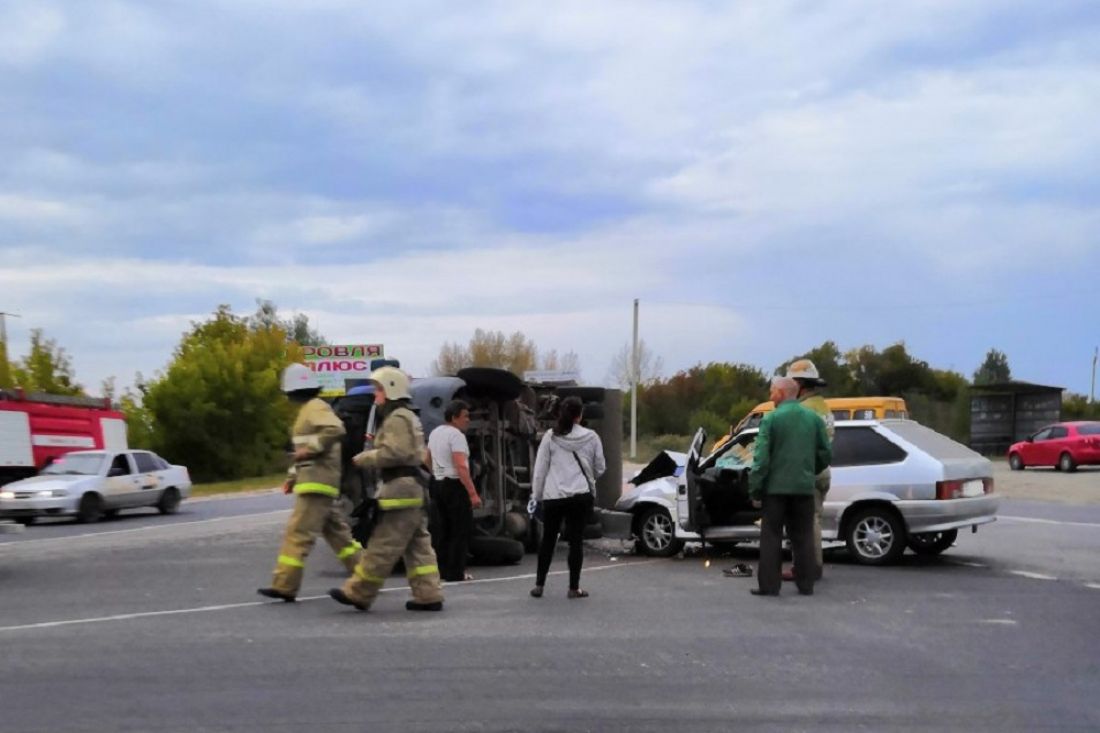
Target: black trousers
x=453, y=525
x=796, y=513
x=573, y=511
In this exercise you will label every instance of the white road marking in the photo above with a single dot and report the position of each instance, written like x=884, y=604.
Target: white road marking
x=149, y=528
x=1094, y=586
x=999, y=621
x=969, y=564
x=1036, y=520
x=1033, y=576
x=231, y=606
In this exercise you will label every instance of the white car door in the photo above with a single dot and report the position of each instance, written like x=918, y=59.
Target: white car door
x=150, y=478
x=122, y=487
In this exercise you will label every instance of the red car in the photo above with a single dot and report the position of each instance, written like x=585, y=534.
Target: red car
x=1064, y=445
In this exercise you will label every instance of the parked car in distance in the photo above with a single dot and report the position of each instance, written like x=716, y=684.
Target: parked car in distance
x=1064, y=445
x=895, y=484
x=93, y=484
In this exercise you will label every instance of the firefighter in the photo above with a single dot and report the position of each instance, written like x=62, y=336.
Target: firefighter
x=402, y=527
x=805, y=373
x=315, y=481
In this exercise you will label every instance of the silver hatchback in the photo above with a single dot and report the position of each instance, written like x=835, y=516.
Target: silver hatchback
x=895, y=483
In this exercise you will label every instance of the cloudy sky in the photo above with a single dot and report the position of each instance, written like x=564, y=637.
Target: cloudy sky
x=762, y=175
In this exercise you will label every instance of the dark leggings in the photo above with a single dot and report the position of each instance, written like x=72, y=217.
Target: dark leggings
x=574, y=511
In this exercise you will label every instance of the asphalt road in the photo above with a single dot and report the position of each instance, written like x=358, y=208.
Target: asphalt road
x=150, y=623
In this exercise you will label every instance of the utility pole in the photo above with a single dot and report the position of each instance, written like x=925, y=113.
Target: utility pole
x=5, y=374
x=634, y=388
x=1092, y=390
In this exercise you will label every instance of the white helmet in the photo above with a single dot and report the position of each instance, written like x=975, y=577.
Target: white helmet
x=299, y=376
x=804, y=369
x=393, y=381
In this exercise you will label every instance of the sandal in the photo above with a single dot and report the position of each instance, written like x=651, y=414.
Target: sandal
x=578, y=593
x=536, y=592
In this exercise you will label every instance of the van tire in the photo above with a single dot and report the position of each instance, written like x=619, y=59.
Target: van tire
x=875, y=536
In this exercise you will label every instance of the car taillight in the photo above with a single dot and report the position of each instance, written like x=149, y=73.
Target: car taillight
x=966, y=489
x=949, y=489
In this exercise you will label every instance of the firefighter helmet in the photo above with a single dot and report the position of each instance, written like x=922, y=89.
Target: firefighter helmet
x=393, y=381
x=299, y=376
x=804, y=370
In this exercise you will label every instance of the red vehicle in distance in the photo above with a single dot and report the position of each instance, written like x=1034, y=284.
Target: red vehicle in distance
x=1064, y=445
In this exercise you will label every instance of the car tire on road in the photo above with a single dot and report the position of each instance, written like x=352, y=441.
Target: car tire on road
x=930, y=544
x=169, y=501
x=656, y=533
x=1066, y=463
x=90, y=509
x=875, y=536
x=1015, y=462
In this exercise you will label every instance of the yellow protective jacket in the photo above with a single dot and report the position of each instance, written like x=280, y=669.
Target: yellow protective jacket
x=398, y=453
x=321, y=431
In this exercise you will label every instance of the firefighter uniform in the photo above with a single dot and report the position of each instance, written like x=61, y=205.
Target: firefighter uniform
x=316, y=482
x=402, y=528
x=823, y=479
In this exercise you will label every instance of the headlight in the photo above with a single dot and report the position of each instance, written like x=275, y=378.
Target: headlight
x=7, y=494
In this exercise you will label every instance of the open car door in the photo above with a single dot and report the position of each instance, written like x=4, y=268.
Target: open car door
x=690, y=512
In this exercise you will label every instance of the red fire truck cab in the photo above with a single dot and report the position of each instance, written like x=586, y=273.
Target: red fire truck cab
x=37, y=428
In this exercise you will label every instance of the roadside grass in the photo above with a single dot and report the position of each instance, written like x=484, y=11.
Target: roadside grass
x=255, y=483
x=650, y=445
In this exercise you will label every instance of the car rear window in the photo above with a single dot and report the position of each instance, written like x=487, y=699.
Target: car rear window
x=842, y=414
x=928, y=440
x=1089, y=428
x=862, y=446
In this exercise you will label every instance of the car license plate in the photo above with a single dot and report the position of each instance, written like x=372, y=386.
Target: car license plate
x=973, y=488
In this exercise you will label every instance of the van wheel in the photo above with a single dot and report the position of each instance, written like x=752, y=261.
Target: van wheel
x=169, y=501
x=1066, y=463
x=931, y=544
x=1015, y=462
x=875, y=536
x=90, y=509
x=656, y=533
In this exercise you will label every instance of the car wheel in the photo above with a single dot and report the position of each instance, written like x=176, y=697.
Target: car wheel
x=1015, y=462
x=875, y=536
x=932, y=543
x=110, y=513
x=169, y=501
x=1066, y=463
x=656, y=533
x=495, y=550
x=90, y=509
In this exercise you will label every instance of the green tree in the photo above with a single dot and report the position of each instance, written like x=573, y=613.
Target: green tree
x=218, y=408
x=46, y=368
x=994, y=369
x=296, y=327
x=6, y=380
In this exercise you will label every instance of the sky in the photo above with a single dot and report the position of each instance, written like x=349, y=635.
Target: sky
x=762, y=176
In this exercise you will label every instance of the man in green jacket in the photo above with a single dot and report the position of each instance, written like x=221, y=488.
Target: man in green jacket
x=791, y=449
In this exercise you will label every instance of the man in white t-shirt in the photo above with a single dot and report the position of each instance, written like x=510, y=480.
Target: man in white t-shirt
x=454, y=496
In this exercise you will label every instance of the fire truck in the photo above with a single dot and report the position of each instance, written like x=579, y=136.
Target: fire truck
x=36, y=428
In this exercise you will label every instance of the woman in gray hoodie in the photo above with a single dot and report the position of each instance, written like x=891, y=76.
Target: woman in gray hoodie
x=569, y=460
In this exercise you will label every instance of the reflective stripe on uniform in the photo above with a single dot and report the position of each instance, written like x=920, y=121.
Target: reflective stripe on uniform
x=350, y=550
x=369, y=578
x=385, y=504
x=424, y=570
x=316, y=488
x=291, y=561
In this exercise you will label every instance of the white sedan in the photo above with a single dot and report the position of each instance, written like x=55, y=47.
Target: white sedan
x=93, y=484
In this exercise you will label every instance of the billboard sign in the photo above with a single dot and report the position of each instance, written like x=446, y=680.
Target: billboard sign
x=334, y=365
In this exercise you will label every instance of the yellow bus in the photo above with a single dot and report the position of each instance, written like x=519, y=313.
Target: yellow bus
x=843, y=408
